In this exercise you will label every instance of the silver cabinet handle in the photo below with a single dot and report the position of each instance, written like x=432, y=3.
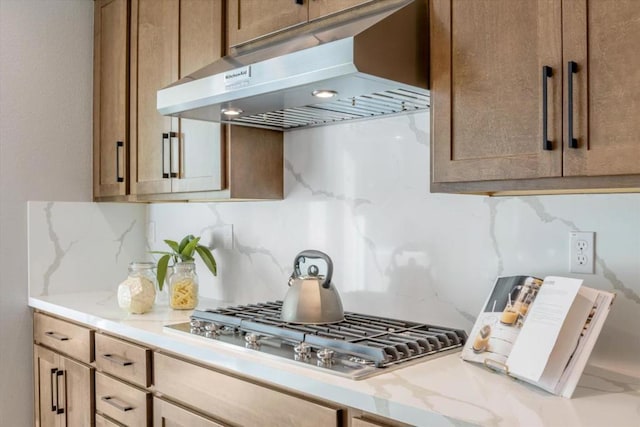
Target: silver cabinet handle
x=117, y=403
x=57, y=336
x=114, y=358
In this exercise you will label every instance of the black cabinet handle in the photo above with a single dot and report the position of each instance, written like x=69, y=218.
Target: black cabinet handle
x=118, y=360
x=172, y=136
x=572, y=68
x=54, y=407
x=165, y=137
x=60, y=410
x=119, y=146
x=546, y=73
x=57, y=336
x=117, y=403
x=299, y=1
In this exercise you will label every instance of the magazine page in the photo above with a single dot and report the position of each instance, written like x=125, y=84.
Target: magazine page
x=539, y=334
x=501, y=319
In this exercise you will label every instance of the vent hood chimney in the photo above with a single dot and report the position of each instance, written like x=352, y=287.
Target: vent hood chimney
x=369, y=66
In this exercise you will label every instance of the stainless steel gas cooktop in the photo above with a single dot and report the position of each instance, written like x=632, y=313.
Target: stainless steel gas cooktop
x=358, y=347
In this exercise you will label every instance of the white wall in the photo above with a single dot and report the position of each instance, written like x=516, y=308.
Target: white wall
x=46, y=54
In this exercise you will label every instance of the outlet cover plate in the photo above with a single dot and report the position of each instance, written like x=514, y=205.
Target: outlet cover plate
x=582, y=252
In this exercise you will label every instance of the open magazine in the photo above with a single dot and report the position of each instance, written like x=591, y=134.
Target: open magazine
x=540, y=331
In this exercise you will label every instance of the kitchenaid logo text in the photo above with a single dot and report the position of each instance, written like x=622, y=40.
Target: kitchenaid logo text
x=237, y=76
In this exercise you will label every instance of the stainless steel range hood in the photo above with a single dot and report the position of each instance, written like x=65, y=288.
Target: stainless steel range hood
x=375, y=65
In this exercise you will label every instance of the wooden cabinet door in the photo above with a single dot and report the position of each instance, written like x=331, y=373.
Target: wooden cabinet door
x=487, y=59
x=200, y=165
x=602, y=38
x=45, y=368
x=63, y=390
x=110, y=97
x=249, y=19
x=78, y=393
x=321, y=8
x=154, y=65
x=166, y=414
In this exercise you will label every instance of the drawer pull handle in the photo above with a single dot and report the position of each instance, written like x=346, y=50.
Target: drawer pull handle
x=57, y=336
x=117, y=403
x=114, y=358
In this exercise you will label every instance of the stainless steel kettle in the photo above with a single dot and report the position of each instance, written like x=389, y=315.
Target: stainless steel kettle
x=312, y=298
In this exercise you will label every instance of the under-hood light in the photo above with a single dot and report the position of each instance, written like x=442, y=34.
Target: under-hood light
x=231, y=111
x=324, y=93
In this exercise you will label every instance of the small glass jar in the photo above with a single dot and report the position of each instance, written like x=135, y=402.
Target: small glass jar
x=138, y=292
x=183, y=286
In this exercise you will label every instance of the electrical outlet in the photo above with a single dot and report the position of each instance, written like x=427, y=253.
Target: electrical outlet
x=582, y=252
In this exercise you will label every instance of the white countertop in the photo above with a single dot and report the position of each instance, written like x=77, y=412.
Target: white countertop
x=443, y=391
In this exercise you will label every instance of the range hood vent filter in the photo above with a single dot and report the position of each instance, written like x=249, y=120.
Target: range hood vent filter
x=400, y=101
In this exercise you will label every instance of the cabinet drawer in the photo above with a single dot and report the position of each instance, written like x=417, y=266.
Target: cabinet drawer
x=72, y=340
x=359, y=422
x=168, y=414
x=124, y=360
x=103, y=422
x=234, y=400
x=122, y=402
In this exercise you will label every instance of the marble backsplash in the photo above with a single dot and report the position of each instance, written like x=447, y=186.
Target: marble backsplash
x=360, y=193
x=76, y=246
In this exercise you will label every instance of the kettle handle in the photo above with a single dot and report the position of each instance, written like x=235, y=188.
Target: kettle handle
x=314, y=254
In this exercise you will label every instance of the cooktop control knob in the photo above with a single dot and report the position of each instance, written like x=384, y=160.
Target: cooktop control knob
x=325, y=356
x=253, y=340
x=210, y=329
x=302, y=350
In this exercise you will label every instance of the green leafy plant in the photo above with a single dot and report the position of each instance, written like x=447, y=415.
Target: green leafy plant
x=181, y=252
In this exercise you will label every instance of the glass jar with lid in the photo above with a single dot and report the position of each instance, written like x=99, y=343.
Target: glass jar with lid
x=138, y=292
x=183, y=286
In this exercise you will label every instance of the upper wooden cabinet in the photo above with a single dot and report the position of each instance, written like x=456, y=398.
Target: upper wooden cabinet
x=250, y=19
x=503, y=97
x=142, y=46
x=171, y=39
x=602, y=38
x=110, y=97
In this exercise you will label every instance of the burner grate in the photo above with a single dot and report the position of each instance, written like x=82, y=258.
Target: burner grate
x=381, y=340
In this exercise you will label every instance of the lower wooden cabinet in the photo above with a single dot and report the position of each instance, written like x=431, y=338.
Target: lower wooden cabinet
x=236, y=401
x=169, y=414
x=63, y=390
x=104, y=422
x=366, y=421
x=121, y=402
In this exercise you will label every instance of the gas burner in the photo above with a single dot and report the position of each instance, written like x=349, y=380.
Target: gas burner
x=358, y=347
